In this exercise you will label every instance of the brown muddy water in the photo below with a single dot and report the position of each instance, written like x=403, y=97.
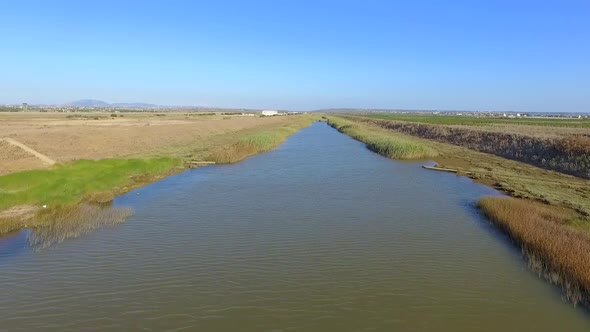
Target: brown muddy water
x=318, y=235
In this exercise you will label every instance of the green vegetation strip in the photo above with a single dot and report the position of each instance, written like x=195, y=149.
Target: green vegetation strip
x=70, y=183
x=386, y=143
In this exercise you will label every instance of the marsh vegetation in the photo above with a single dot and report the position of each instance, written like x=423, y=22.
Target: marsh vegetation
x=568, y=154
x=550, y=220
x=556, y=251
x=387, y=144
x=66, y=185
x=257, y=142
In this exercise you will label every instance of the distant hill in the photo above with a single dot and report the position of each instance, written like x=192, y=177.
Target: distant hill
x=133, y=105
x=100, y=103
x=89, y=103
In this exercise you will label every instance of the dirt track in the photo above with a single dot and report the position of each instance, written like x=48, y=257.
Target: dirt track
x=27, y=149
x=63, y=139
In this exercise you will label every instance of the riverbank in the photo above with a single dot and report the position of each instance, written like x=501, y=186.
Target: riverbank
x=67, y=137
x=559, y=206
x=557, y=148
x=32, y=194
x=390, y=145
x=517, y=179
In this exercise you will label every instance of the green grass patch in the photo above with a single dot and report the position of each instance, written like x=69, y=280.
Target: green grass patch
x=582, y=224
x=267, y=140
x=386, y=143
x=70, y=183
x=473, y=121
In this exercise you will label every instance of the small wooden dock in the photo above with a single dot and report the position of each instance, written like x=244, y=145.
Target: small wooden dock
x=441, y=169
x=201, y=162
x=194, y=163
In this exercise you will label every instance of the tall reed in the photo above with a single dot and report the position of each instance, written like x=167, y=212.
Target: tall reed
x=258, y=142
x=394, y=146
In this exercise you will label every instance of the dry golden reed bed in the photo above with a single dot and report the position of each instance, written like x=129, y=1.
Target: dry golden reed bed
x=559, y=253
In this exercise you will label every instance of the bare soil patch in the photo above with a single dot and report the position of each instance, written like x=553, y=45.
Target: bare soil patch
x=22, y=212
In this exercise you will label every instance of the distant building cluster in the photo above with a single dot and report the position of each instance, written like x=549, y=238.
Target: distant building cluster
x=269, y=113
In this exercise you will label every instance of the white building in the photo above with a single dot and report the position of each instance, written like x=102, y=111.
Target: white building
x=269, y=113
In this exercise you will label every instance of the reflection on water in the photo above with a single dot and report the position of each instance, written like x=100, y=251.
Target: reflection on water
x=74, y=223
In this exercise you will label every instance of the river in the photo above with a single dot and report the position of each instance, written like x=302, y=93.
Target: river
x=318, y=235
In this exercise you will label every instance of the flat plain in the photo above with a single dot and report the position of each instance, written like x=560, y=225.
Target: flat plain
x=65, y=137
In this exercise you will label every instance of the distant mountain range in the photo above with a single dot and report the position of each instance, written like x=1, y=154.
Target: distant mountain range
x=100, y=103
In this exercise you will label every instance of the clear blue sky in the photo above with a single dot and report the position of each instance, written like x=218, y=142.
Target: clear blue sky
x=490, y=55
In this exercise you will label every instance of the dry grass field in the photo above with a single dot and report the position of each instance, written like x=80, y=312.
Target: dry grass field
x=72, y=136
